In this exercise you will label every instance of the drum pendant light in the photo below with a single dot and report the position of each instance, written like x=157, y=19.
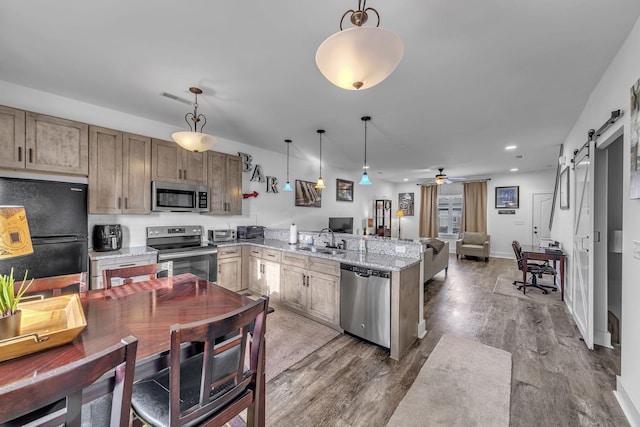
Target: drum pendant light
x=359, y=57
x=365, y=177
x=287, y=186
x=193, y=140
x=320, y=183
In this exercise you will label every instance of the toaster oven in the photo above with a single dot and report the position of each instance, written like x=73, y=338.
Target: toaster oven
x=222, y=235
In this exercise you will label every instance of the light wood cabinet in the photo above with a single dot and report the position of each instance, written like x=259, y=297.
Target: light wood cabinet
x=99, y=264
x=264, y=272
x=311, y=286
x=172, y=163
x=225, y=183
x=230, y=268
x=43, y=143
x=119, y=172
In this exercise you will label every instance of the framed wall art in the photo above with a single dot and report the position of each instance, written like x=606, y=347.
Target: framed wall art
x=307, y=194
x=507, y=197
x=344, y=190
x=405, y=203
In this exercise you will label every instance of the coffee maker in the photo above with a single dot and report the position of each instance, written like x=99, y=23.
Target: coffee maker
x=107, y=237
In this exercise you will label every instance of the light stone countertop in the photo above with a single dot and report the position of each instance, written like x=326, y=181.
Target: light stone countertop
x=371, y=260
x=122, y=253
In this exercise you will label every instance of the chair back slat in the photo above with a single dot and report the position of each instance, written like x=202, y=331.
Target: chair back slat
x=128, y=273
x=56, y=284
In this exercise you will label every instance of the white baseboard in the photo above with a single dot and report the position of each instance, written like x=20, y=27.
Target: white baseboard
x=422, y=329
x=627, y=405
x=602, y=338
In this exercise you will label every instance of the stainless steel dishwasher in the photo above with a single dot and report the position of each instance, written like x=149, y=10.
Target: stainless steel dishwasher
x=365, y=303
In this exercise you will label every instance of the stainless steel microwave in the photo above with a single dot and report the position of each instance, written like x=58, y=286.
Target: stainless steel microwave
x=172, y=197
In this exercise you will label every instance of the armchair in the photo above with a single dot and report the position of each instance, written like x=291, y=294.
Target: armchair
x=474, y=244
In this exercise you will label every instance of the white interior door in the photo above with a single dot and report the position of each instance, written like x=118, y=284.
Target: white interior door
x=582, y=283
x=542, y=203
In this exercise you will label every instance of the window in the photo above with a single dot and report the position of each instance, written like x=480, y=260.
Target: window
x=449, y=214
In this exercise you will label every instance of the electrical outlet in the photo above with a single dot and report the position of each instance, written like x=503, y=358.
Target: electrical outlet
x=401, y=249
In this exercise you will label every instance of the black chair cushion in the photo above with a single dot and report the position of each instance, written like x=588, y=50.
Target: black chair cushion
x=150, y=398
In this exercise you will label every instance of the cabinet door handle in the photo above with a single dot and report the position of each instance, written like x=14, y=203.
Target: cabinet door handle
x=179, y=173
x=127, y=265
x=126, y=203
x=119, y=201
x=30, y=155
x=184, y=174
x=19, y=154
x=219, y=270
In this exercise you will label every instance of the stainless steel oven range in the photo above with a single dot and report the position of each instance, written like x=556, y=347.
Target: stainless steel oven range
x=180, y=250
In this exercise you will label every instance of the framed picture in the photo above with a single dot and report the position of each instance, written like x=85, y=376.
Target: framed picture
x=634, y=142
x=344, y=190
x=405, y=203
x=564, y=188
x=307, y=194
x=507, y=197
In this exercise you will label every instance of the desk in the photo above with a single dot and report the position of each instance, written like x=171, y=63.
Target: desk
x=144, y=309
x=531, y=252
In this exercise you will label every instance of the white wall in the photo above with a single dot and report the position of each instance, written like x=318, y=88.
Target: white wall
x=611, y=93
x=269, y=209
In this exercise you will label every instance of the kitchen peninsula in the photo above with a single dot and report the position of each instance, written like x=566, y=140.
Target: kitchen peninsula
x=307, y=279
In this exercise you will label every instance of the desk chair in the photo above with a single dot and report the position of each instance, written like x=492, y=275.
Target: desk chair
x=55, y=285
x=56, y=398
x=128, y=273
x=536, y=270
x=214, y=386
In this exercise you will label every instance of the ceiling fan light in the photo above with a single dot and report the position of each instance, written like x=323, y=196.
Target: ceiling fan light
x=194, y=141
x=287, y=187
x=320, y=183
x=365, y=179
x=440, y=180
x=359, y=57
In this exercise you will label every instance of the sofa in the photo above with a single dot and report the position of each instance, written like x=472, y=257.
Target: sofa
x=435, y=257
x=474, y=244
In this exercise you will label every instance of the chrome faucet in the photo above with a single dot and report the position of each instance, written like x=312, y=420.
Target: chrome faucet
x=333, y=237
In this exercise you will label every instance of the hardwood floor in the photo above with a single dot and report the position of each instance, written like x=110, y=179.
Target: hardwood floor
x=556, y=380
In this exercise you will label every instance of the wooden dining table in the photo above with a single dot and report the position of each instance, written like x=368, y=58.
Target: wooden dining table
x=143, y=309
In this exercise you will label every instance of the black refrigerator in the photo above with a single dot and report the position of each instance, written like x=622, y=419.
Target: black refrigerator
x=57, y=218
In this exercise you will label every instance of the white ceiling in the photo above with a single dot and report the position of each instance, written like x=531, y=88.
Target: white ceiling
x=476, y=76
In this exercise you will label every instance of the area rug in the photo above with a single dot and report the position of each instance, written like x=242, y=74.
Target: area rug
x=290, y=338
x=462, y=383
x=504, y=286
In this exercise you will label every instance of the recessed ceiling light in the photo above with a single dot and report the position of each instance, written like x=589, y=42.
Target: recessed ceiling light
x=406, y=179
x=510, y=147
x=514, y=169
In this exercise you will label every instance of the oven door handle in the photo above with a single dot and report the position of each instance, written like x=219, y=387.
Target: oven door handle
x=166, y=257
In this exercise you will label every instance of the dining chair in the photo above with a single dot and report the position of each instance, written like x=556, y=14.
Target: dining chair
x=56, y=397
x=536, y=269
x=128, y=273
x=212, y=387
x=56, y=285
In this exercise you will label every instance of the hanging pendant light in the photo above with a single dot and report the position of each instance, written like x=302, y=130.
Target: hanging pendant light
x=320, y=183
x=359, y=57
x=193, y=140
x=287, y=186
x=365, y=177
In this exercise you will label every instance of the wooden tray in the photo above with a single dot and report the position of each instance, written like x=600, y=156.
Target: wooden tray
x=45, y=323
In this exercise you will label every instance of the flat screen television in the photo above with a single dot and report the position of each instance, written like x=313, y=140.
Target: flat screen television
x=341, y=225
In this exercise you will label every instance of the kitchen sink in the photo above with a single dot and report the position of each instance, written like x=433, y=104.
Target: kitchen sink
x=327, y=251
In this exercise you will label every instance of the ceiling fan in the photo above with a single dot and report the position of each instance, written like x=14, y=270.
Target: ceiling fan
x=442, y=178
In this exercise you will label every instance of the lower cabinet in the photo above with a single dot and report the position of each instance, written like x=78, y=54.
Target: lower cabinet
x=230, y=268
x=311, y=286
x=104, y=262
x=264, y=272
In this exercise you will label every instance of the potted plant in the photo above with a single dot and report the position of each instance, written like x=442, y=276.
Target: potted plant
x=9, y=299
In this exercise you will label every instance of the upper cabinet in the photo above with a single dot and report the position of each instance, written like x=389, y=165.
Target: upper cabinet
x=225, y=184
x=119, y=172
x=172, y=163
x=43, y=143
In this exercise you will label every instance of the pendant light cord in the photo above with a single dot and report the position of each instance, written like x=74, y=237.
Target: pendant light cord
x=288, y=141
